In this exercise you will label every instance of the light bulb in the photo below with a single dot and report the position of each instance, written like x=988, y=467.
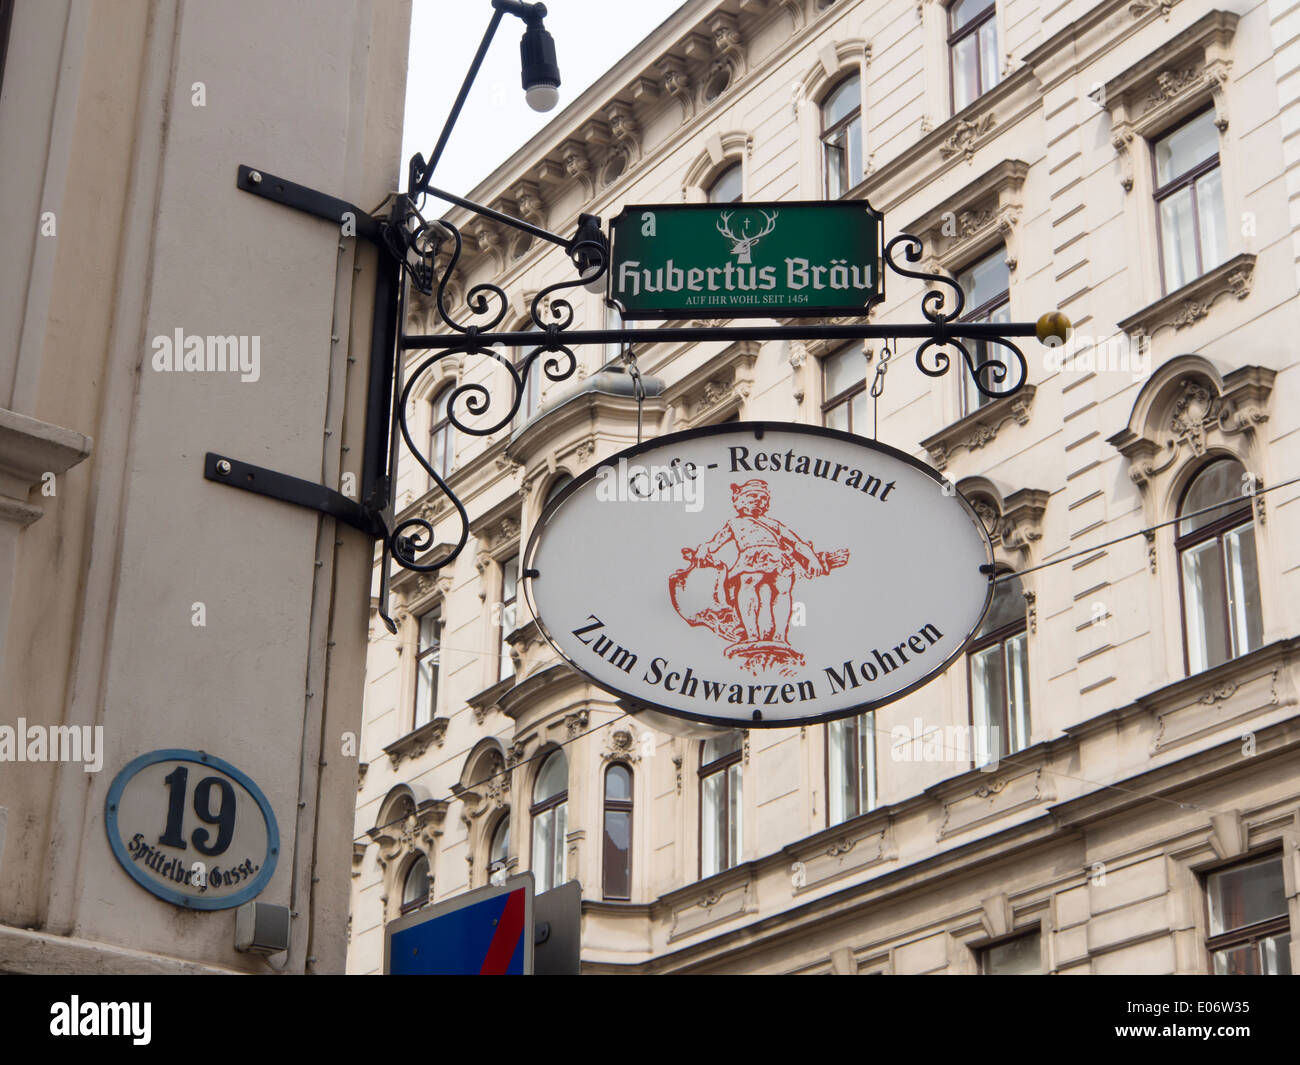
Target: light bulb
x=542, y=96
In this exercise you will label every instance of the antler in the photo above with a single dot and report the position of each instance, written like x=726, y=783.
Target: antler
x=724, y=226
x=771, y=224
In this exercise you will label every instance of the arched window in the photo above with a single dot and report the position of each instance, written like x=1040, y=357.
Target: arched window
x=499, y=850
x=850, y=767
x=442, y=445
x=999, y=676
x=550, y=813
x=1220, y=575
x=416, y=885
x=728, y=186
x=719, y=803
x=617, y=866
x=842, y=137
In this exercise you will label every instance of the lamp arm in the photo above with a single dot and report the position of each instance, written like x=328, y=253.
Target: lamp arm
x=498, y=216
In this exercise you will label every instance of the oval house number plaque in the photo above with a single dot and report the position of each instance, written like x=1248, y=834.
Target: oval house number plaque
x=759, y=574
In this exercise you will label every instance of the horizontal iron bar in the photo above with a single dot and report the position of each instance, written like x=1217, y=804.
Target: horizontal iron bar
x=498, y=216
x=289, y=489
x=643, y=337
x=301, y=198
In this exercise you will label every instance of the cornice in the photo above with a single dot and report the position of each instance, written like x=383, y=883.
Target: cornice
x=31, y=449
x=1188, y=305
x=979, y=428
x=416, y=743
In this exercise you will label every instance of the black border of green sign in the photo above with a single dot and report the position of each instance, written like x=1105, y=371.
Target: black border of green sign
x=856, y=310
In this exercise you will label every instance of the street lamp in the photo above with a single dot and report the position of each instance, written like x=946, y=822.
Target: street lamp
x=541, y=73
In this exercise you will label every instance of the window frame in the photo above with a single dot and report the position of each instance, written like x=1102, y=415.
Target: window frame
x=1215, y=530
x=846, y=396
x=560, y=798
x=502, y=822
x=728, y=167
x=826, y=132
x=982, y=952
x=858, y=720
x=982, y=313
x=510, y=562
x=405, y=907
x=999, y=637
x=444, y=426
x=721, y=765
x=955, y=37
x=608, y=806
x=422, y=653
x=1187, y=179
x=1247, y=935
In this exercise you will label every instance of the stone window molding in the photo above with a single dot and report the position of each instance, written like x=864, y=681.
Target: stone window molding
x=484, y=793
x=1181, y=76
x=414, y=744
x=983, y=214
x=721, y=150
x=1188, y=305
x=1013, y=519
x=1185, y=412
x=30, y=449
x=715, y=390
x=836, y=61
x=410, y=823
x=979, y=428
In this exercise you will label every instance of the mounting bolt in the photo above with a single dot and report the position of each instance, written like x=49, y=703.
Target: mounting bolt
x=255, y=177
x=223, y=467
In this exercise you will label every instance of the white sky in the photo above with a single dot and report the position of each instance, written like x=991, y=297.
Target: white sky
x=590, y=37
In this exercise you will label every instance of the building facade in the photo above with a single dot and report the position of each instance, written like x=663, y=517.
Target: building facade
x=144, y=608
x=1109, y=780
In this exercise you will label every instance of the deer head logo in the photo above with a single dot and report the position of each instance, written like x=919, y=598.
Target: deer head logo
x=742, y=245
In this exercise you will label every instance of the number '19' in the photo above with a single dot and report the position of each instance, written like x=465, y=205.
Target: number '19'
x=223, y=817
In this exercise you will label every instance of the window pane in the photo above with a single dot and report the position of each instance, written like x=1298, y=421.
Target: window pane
x=866, y=727
x=853, y=137
x=965, y=74
x=713, y=749
x=509, y=612
x=1017, y=669
x=984, y=281
x=839, y=770
x=553, y=778
x=544, y=849
x=1187, y=146
x=1178, y=239
x=416, y=886
x=560, y=868
x=1204, y=606
x=1008, y=606
x=841, y=103
x=618, y=783
x=843, y=370
x=836, y=162
x=1243, y=589
x=426, y=669
x=1238, y=961
x=712, y=825
x=858, y=413
x=988, y=34
x=1209, y=211
x=1275, y=955
x=1017, y=957
x=618, y=854
x=988, y=682
x=1246, y=895
x=500, y=842
x=727, y=187
x=733, y=815
x=838, y=417
x=1223, y=480
x=963, y=12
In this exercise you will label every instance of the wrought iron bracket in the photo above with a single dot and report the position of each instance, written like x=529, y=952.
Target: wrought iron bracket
x=293, y=490
x=311, y=201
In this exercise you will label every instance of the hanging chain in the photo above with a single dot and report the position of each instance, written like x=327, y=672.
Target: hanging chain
x=878, y=388
x=634, y=372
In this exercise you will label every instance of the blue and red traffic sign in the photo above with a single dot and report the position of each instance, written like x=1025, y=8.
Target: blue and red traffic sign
x=488, y=932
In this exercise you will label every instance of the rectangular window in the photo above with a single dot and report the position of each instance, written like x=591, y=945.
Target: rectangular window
x=844, y=388
x=1250, y=931
x=508, y=604
x=986, y=286
x=426, y=667
x=850, y=767
x=1021, y=956
x=720, y=820
x=973, y=50
x=1189, y=201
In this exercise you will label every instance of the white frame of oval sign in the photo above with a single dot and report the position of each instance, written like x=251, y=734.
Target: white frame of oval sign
x=759, y=656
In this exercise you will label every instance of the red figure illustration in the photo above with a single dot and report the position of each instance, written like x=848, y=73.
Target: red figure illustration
x=739, y=583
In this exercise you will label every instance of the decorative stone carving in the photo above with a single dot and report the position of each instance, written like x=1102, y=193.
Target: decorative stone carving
x=980, y=428
x=577, y=165
x=967, y=136
x=624, y=129
x=981, y=215
x=414, y=744
x=575, y=724
x=620, y=746
x=677, y=84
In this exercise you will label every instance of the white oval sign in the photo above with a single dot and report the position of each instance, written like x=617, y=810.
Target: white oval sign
x=759, y=574
x=192, y=829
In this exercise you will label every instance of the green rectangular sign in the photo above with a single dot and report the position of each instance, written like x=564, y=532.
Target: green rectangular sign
x=746, y=260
